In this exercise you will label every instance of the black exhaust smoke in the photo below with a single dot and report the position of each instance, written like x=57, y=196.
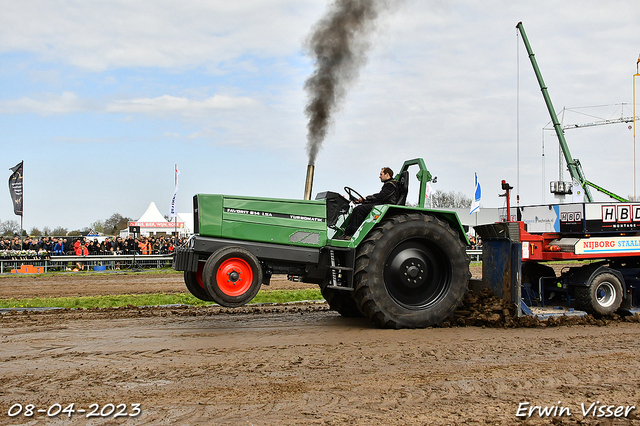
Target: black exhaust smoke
x=338, y=44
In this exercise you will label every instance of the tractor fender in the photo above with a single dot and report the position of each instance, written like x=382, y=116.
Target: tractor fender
x=385, y=211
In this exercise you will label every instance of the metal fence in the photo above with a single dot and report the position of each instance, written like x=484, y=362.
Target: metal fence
x=95, y=263
x=475, y=255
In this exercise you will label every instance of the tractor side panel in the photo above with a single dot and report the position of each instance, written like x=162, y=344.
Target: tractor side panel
x=278, y=221
x=208, y=213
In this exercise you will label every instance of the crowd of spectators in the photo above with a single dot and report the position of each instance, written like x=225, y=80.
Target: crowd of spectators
x=475, y=242
x=82, y=246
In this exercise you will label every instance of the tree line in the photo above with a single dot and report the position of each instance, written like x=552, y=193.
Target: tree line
x=449, y=200
x=446, y=200
x=110, y=226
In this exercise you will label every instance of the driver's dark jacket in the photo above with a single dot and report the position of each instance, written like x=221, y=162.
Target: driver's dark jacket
x=387, y=195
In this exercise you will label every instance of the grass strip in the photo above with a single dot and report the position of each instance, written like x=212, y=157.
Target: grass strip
x=56, y=273
x=88, y=302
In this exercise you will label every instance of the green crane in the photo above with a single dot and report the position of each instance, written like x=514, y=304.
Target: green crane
x=574, y=166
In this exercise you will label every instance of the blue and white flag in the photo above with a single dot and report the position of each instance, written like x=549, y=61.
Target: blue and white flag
x=172, y=208
x=475, y=205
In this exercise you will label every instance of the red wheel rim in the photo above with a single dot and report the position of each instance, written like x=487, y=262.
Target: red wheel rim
x=199, y=279
x=234, y=277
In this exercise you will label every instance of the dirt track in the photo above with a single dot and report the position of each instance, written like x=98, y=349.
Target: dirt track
x=90, y=284
x=305, y=365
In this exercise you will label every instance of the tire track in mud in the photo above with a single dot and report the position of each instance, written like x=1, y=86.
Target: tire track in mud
x=314, y=367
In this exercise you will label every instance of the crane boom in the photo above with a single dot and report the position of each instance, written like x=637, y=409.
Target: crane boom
x=600, y=123
x=575, y=169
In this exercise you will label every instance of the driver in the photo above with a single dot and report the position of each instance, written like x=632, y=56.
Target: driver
x=387, y=195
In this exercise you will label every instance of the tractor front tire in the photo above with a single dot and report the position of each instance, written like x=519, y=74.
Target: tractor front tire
x=195, y=284
x=412, y=271
x=232, y=276
x=603, y=296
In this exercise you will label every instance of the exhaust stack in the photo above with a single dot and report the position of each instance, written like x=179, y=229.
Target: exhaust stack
x=309, y=182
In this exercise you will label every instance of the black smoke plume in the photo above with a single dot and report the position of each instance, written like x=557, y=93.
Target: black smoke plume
x=338, y=44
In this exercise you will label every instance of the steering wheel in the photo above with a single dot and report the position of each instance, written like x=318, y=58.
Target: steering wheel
x=352, y=194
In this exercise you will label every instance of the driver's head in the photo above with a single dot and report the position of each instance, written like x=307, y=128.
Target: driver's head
x=385, y=174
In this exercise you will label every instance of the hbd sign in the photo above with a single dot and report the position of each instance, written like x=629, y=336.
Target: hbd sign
x=570, y=216
x=621, y=213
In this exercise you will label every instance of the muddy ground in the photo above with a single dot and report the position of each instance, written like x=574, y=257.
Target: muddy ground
x=91, y=284
x=117, y=282
x=299, y=364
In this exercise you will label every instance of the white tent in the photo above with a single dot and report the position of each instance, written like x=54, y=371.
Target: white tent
x=152, y=222
x=152, y=214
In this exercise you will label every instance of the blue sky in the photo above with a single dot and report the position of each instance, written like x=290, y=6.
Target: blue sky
x=101, y=99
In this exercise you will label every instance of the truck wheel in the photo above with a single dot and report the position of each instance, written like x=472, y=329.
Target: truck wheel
x=412, y=271
x=195, y=284
x=232, y=276
x=602, y=297
x=341, y=301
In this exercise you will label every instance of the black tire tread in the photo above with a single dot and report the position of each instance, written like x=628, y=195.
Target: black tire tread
x=585, y=297
x=209, y=272
x=363, y=295
x=194, y=288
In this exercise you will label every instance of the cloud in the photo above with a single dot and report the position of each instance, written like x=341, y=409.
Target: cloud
x=168, y=104
x=45, y=104
x=217, y=84
x=161, y=33
x=71, y=140
x=68, y=102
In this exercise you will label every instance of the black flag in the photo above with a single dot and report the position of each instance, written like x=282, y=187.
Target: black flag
x=15, y=188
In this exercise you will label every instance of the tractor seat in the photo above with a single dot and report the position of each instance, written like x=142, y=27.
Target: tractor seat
x=403, y=188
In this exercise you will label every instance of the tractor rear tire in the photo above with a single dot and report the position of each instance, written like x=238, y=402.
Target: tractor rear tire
x=195, y=284
x=411, y=271
x=232, y=276
x=602, y=297
x=341, y=301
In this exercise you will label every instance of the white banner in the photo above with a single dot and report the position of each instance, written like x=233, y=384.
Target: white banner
x=603, y=245
x=172, y=207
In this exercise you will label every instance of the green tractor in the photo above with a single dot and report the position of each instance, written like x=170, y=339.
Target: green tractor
x=405, y=267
